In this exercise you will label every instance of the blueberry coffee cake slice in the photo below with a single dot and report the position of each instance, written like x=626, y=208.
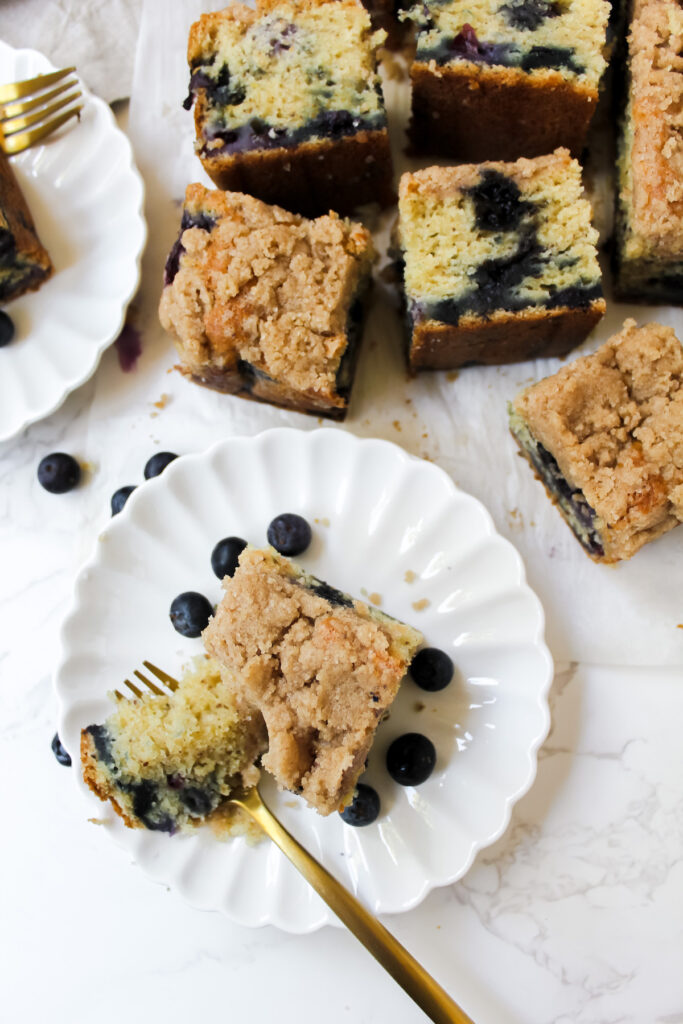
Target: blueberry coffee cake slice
x=499, y=79
x=499, y=262
x=24, y=263
x=649, y=209
x=168, y=763
x=264, y=304
x=288, y=104
x=605, y=437
x=321, y=667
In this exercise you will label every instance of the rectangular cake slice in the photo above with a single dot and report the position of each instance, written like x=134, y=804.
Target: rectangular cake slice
x=499, y=261
x=321, y=667
x=288, y=104
x=649, y=215
x=500, y=79
x=605, y=437
x=168, y=763
x=24, y=262
x=264, y=304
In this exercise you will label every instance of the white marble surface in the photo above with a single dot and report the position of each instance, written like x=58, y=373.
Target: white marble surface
x=574, y=917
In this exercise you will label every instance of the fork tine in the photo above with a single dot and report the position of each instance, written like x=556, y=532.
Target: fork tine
x=132, y=687
x=162, y=676
x=149, y=684
x=22, y=140
x=16, y=124
x=15, y=90
x=8, y=110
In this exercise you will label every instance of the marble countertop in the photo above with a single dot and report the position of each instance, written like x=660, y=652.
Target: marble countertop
x=575, y=916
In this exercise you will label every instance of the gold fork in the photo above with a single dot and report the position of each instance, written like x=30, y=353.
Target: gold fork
x=395, y=959
x=16, y=120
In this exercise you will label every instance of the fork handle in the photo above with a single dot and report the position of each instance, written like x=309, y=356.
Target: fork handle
x=395, y=959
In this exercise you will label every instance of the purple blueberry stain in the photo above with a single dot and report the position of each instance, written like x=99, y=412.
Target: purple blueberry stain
x=128, y=347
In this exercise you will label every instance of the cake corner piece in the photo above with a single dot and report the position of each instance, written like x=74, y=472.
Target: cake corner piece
x=321, y=667
x=25, y=264
x=605, y=434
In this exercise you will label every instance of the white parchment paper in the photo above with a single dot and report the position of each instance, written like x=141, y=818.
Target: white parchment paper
x=629, y=614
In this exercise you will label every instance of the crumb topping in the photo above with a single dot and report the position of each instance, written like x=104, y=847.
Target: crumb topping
x=321, y=673
x=614, y=423
x=267, y=287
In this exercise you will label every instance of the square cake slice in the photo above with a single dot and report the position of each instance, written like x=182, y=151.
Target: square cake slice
x=499, y=261
x=288, y=104
x=500, y=79
x=605, y=437
x=168, y=763
x=24, y=262
x=321, y=667
x=264, y=304
x=649, y=210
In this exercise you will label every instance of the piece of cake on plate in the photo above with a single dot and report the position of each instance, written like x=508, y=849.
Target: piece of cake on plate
x=499, y=261
x=169, y=763
x=321, y=667
x=265, y=304
x=605, y=437
x=24, y=262
x=288, y=104
x=649, y=214
x=501, y=79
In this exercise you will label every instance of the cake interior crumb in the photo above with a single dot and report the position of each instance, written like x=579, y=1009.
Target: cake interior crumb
x=410, y=576
x=420, y=605
x=375, y=598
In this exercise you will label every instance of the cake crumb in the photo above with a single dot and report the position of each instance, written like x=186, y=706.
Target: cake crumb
x=680, y=625
x=322, y=522
x=162, y=402
x=452, y=375
x=291, y=803
x=409, y=576
x=375, y=598
x=419, y=706
x=420, y=605
x=396, y=425
x=98, y=821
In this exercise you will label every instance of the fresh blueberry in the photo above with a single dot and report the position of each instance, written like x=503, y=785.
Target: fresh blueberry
x=60, y=753
x=158, y=463
x=225, y=556
x=289, y=534
x=120, y=497
x=431, y=669
x=6, y=329
x=411, y=759
x=58, y=473
x=190, y=613
x=364, y=808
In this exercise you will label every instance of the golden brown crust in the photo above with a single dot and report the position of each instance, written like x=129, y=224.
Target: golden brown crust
x=613, y=421
x=312, y=177
x=502, y=337
x=483, y=113
x=15, y=217
x=98, y=783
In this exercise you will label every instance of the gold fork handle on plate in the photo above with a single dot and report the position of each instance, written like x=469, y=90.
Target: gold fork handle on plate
x=403, y=968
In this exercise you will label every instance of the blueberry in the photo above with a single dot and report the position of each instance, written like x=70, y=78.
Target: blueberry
x=190, y=613
x=6, y=329
x=60, y=753
x=158, y=463
x=120, y=497
x=225, y=556
x=58, y=473
x=431, y=669
x=364, y=808
x=289, y=534
x=411, y=759
x=196, y=801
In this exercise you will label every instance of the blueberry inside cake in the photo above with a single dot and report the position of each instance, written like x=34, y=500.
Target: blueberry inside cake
x=169, y=763
x=499, y=261
x=288, y=103
x=265, y=304
x=605, y=437
x=24, y=263
x=321, y=667
x=506, y=78
x=649, y=221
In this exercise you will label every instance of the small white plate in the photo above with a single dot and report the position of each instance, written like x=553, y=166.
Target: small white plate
x=378, y=516
x=86, y=198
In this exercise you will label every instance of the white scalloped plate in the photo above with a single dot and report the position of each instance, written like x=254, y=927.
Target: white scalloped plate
x=86, y=198
x=389, y=515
